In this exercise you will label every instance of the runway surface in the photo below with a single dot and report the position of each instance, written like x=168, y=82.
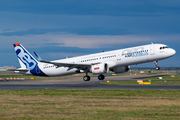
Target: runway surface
x=78, y=83
x=89, y=86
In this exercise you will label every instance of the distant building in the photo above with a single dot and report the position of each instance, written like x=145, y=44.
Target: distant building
x=5, y=68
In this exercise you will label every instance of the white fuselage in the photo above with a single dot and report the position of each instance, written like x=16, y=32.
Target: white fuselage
x=115, y=58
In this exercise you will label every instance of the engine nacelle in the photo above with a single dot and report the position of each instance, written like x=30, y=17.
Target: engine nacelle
x=99, y=68
x=121, y=69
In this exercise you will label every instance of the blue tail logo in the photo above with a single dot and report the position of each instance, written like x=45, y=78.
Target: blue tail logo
x=27, y=59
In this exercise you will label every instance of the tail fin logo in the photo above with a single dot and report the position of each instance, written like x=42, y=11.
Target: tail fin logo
x=25, y=57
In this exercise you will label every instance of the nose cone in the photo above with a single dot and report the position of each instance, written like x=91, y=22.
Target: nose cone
x=173, y=52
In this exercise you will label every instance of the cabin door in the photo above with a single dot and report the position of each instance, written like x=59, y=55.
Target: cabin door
x=152, y=51
x=118, y=56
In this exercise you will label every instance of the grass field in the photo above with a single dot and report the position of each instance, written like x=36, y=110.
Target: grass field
x=89, y=104
x=167, y=82
x=167, y=77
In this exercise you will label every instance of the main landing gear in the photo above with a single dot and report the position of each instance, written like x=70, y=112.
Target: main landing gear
x=87, y=78
x=156, y=63
x=101, y=77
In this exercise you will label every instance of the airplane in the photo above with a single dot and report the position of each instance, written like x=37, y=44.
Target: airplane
x=117, y=61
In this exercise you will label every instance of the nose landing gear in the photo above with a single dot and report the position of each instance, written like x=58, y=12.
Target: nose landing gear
x=156, y=63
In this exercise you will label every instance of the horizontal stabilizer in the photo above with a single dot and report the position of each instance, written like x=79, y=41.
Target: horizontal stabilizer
x=22, y=69
x=19, y=69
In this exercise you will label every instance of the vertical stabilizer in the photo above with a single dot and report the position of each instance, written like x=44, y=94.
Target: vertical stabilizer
x=26, y=60
x=21, y=64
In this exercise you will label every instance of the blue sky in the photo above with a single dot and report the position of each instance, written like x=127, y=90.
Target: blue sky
x=59, y=28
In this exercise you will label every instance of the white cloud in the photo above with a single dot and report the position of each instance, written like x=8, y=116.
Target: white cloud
x=84, y=41
x=94, y=41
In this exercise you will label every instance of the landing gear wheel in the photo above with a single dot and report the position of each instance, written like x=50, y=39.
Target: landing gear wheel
x=101, y=77
x=157, y=68
x=86, y=78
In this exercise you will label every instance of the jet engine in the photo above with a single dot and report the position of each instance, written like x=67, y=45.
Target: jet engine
x=99, y=68
x=121, y=69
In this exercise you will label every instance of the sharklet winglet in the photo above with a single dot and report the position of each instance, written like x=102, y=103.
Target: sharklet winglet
x=38, y=57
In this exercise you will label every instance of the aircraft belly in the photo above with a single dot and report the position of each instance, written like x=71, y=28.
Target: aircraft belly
x=59, y=71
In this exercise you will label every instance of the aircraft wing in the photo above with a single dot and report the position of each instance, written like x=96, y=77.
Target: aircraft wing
x=82, y=66
x=65, y=64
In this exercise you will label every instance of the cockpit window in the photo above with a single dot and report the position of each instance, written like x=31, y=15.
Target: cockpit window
x=164, y=47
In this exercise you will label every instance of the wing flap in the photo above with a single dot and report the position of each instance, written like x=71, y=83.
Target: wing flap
x=74, y=65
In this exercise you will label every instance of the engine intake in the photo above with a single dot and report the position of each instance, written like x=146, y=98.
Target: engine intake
x=99, y=68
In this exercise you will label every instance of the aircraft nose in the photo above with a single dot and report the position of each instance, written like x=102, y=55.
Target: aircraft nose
x=173, y=52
